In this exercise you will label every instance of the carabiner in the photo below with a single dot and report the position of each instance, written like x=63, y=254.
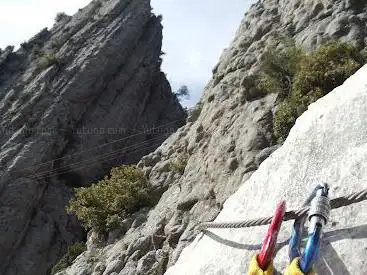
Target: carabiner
x=317, y=217
x=294, y=247
x=268, y=248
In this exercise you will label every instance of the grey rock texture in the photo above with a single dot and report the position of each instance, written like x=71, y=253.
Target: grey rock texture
x=229, y=133
x=226, y=138
x=94, y=78
x=327, y=144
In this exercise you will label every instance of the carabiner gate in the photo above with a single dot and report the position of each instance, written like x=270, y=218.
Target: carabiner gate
x=317, y=217
x=268, y=248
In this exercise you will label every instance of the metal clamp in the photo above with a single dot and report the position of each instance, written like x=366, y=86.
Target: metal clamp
x=318, y=217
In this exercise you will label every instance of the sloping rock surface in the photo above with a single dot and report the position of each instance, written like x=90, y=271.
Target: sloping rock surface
x=327, y=144
x=94, y=78
x=227, y=137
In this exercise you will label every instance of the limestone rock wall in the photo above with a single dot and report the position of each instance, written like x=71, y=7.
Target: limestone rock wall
x=226, y=138
x=327, y=144
x=92, y=79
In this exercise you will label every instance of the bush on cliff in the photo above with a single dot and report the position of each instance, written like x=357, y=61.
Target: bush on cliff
x=301, y=77
x=60, y=16
x=49, y=60
x=279, y=68
x=179, y=164
x=103, y=205
x=73, y=252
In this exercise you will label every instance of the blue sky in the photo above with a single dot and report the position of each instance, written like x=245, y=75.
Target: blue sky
x=195, y=32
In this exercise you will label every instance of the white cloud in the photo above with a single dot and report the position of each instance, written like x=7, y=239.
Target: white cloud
x=195, y=32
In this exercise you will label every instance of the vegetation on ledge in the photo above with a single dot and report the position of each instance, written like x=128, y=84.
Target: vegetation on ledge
x=179, y=164
x=73, y=252
x=300, y=78
x=104, y=205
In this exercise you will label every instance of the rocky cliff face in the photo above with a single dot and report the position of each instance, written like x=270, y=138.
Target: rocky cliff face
x=327, y=144
x=75, y=100
x=225, y=140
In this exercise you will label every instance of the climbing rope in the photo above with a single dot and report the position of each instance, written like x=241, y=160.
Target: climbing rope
x=289, y=215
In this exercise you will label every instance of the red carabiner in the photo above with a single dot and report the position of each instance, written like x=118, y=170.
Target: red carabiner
x=268, y=247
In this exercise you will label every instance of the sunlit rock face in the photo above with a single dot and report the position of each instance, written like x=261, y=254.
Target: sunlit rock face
x=327, y=144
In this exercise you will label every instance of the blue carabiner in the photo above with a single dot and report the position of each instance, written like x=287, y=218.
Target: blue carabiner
x=311, y=253
x=318, y=216
x=295, y=240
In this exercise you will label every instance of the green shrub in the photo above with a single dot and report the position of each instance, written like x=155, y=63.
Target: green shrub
x=284, y=119
x=49, y=60
x=104, y=205
x=195, y=112
x=179, y=164
x=279, y=63
x=300, y=78
x=327, y=68
x=73, y=252
x=278, y=69
x=269, y=84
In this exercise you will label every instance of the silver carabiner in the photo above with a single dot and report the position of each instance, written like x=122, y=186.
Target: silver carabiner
x=318, y=216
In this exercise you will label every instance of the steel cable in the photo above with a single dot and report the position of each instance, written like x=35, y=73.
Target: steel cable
x=104, y=157
x=289, y=215
x=36, y=166
x=60, y=172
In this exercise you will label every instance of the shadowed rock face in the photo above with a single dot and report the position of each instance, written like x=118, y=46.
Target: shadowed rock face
x=92, y=79
x=226, y=138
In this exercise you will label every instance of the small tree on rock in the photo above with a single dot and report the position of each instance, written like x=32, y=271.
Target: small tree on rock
x=104, y=205
x=182, y=92
x=61, y=16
